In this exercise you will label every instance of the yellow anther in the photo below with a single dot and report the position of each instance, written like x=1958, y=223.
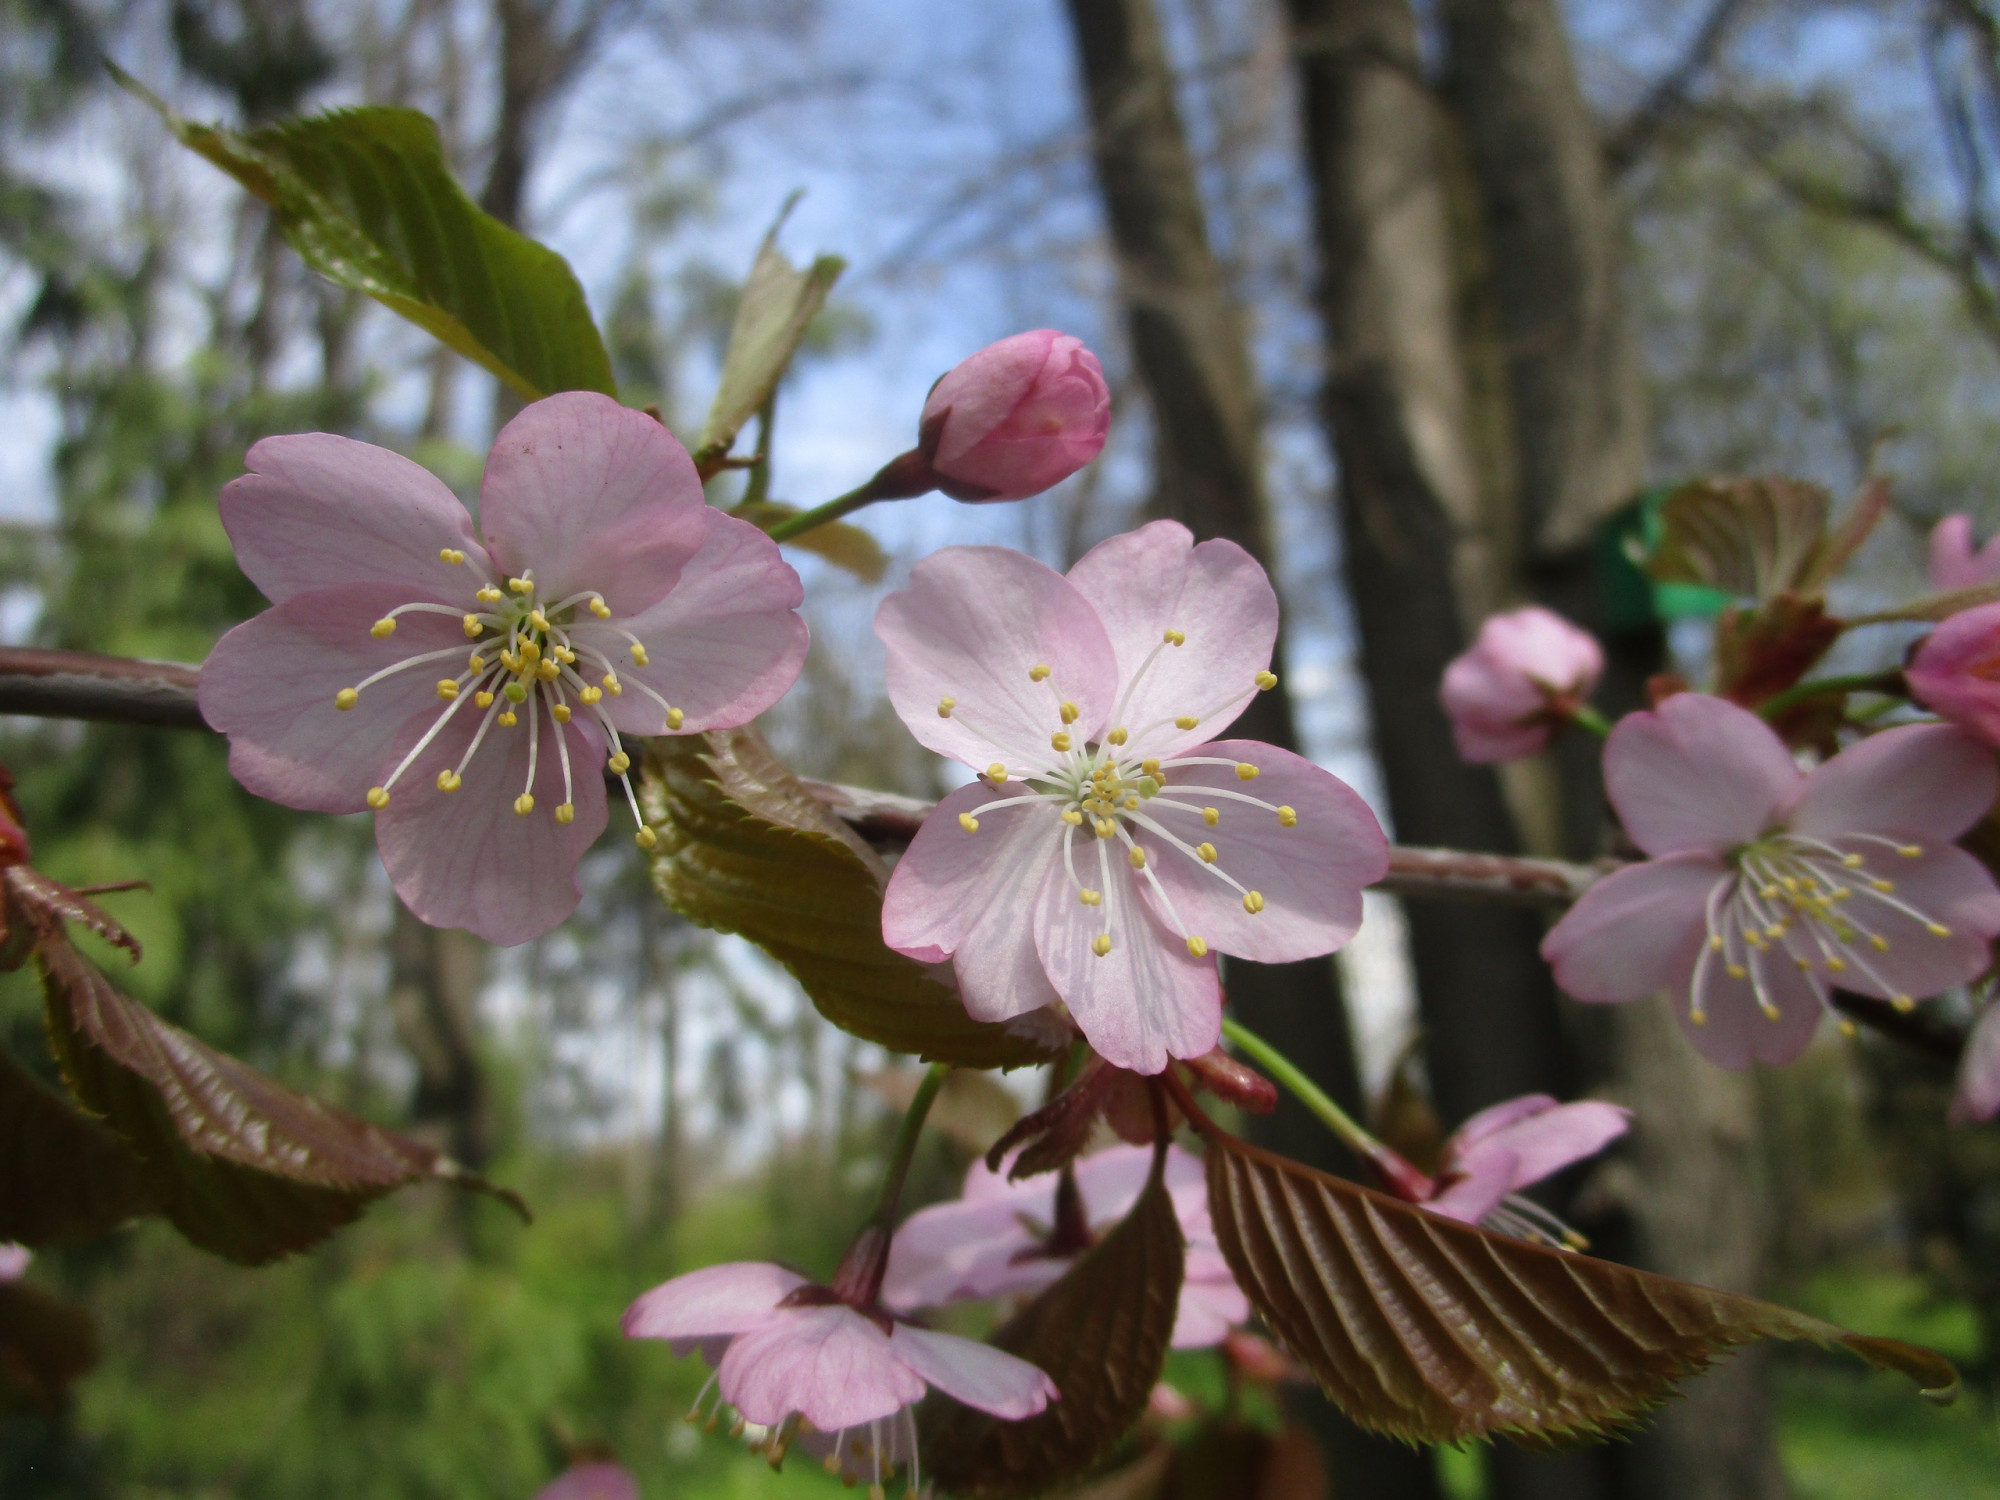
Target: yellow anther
x=449, y=781
x=1132, y=803
x=1101, y=944
x=1186, y=721
x=969, y=823
x=1174, y=638
x=548, y=670
x=1836, y=965
x=590, y=694
x=473, y=629
x=566, y=813
x=1288, y=817
x=1069, y=712
x=1904, y=1003
x=537, y=619
x=1116, y=737
x=1245, y=771
x=638, y=654
x=1805, y=965
x=1882, y=885
x=1089, y=897
x=1039, y=672
x=489, y=595
x=599, y=608
x=646, y=838
x=345, y=699
x=675, y=718
x=520, y=586
x=877, y=1492
x=1253, y=902
x=1210, y=816
x=1878, y=942
x=1207, y=853
x=1847, y=1028
x=1937, y=929
x=508, y=719
x=1909, y=851
x=1197, y=948
x=515, y=693
x=1737, y=971
x=1715, y=942
x=1106, y=827
x=476, y=662
x=447, y=689
x=1136, y=857
x=1698, y=1017
x=483, y=698
x=945, y=705
x=1266, y=681
x=1059, y=741
x=1150, y=765
x=378, y=797
x=383, y=628
x=1851, y=861
x=831, y=1463
x=619, y=764
x=559, y=712
x=997, y=774
x=510, y=661
x=530, y=652
x=564, y=655
x=1073, y=817
x=451, y=555
x=1775, y=930
x=524, y=804
x=612, y=685
x=1771, y=1012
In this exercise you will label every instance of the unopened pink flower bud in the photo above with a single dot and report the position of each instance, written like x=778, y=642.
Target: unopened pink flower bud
x=1529, y=671
x=1016, y=418
x=1954, y=564
x=1956, y=671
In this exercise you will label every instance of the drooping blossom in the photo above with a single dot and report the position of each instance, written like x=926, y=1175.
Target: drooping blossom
x=1512, y=1145
x=806, y=1364
x=1011, y=1239
x=1016, y=418
x=595, y=1481
x=1977, y=1096
x=1955, y=671
x=1519, y=682
x=1111, y=847
x=1954, y=562
x=14, y=1262
x=471, y=685
x=1769, y=886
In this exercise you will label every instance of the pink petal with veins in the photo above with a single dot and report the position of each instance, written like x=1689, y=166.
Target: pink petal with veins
x=1916, y=781
x=1636, y=932
x=1698, y=773
x=829, y=1364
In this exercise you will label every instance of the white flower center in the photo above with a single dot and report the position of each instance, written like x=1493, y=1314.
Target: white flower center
x=1804, y=901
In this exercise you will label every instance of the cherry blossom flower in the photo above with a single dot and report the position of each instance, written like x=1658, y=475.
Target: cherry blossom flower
x=473, y=691
x=14, y=1262
x=1977, y=1096
x=1954, y=563
x=1768, y=886
x=1016, y=418
x=1111, y=847
x=1011, y=1239
x=1955, y=671
x=1524, y=676
x=598, y=1481
x=839, y=1376
x=1512, y=1145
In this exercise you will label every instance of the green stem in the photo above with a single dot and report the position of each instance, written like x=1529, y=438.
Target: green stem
x=819, y=515
x=1890, y=682
x=906, y=1143
x=1586, y=717
x=1309, y=1093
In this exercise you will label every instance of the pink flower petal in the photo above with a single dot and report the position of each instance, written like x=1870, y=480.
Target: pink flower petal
x=1543, y=1142
x=1636, y=932
x=1950, y=888
x=969, y=627
x=1144, y=1001
x=269, y=685
x=1954, y=562
x=14, y=1261
x=971, y=895
x=1738, y=1033
x=831, y=1365
x=1978, y=1093
x=1493, y=1119
x=1952, y=671
x=592, y=496
x=1211, y=1302
x=1310, y=874
x=965, y=1250
x=724, y=645
x=318, y=511
x=1697, y=773
x=1918, y=781
x=981, y=391
x=712, y=1302
x=1479, y=1186
x=1497, y=693
x=1146, y=582
x=977, y=1374
x=466, y=858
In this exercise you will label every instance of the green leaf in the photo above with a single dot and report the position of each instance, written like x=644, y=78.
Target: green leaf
x=745, y=847
x=365, y=196
x=1434, y=1331
x=241, y=1164
x=63, y=1176
x=843, y=545
x=1101, y=1334
x=779, y=302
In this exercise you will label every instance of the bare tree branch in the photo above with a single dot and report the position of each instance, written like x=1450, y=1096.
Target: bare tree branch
x=1668, y=98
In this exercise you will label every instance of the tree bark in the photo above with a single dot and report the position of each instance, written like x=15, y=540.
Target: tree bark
x=1192, y=358
x=434, y=980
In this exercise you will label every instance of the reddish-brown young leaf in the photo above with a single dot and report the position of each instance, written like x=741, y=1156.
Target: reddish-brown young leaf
x=745, y=847
x=45, y=1345
x=243, y=1165
x=63, y=1176
x=1749, y=537
x=1435, y=1331
x=1100, y=1333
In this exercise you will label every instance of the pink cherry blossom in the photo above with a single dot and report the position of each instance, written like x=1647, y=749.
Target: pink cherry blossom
x=1954, y=563
x=605, y=599
x=1508, y=1147
x=1111, y=846
x=1000, y=1239
x=1512, y=690
x=1768, y=886
x=1955, y=671
x=14, y=1262
x=598, y=1481
x=794, y=1359
x=1978, y=1094
x=1016, y=418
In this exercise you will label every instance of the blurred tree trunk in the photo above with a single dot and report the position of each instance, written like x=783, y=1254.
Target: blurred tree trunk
x=434, y=980
x=1191, y=355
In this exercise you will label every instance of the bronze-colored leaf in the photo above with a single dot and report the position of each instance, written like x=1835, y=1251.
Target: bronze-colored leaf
x=843, y=545
x=1435, y=1331
x=63, y=1177
x=745, y=847
x=46, y=1344
x=241, y=1164
x=1749, y=537
x=1100, y=1333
